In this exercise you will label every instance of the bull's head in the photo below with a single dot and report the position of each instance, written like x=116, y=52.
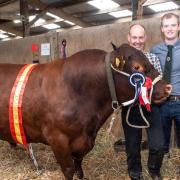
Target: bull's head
x=130, y=60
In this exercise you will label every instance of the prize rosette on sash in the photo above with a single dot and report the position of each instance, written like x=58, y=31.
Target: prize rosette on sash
x=15, y=105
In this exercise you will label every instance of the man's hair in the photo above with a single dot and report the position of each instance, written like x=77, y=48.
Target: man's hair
x=132, y=25
x=168, y=16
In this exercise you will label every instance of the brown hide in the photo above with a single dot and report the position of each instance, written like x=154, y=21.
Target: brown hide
x=66, y=102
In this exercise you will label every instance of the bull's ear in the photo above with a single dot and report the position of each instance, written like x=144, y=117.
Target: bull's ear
x=114, y=46
x=119, y=62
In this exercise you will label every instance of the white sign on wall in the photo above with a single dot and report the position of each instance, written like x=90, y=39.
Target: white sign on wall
x=45, y=49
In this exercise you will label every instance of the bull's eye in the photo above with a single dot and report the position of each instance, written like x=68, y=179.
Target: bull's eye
x=137, y=68
x=147, y=69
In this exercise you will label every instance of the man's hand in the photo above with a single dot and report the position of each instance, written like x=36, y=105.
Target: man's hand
x=168, y=89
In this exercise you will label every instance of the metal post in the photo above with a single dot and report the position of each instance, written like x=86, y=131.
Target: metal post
x=134, y=9
x=24, y=17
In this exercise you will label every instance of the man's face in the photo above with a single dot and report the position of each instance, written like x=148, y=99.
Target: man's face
x=170, y=28
x=137, y=37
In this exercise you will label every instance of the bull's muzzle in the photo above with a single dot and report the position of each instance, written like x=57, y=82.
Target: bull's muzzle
x=166, y=92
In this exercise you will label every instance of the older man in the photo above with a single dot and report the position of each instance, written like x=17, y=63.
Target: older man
x=136, y=38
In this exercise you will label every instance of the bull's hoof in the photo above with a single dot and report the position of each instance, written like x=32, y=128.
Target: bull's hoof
x=13, y=145
x=80, y=174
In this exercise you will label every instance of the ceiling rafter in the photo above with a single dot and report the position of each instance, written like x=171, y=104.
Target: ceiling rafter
x=7, y=27
x=78, y=12
x=98, y=12
x=8, y=16
x=6, y=2
x=59, y=12
x=140, y=8
x=64, y=4
x=43, y=12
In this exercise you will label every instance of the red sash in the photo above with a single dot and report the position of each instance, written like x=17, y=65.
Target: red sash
x=15, y=104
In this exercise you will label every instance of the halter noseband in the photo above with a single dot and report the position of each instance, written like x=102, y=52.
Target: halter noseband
x=115, y=103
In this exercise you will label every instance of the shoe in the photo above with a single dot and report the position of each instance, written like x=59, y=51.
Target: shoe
x=167, y=156
x=119, y=145
x=156, y=176
x=136, y=176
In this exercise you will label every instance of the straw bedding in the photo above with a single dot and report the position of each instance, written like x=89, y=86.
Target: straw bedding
x=102, y=163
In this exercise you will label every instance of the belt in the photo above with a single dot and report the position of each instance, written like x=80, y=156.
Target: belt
x=174, y=98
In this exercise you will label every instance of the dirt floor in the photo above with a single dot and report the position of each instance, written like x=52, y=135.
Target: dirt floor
x=102, y=163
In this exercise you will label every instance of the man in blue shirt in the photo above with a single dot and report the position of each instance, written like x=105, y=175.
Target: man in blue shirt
x=133, y=136
x=170, y=110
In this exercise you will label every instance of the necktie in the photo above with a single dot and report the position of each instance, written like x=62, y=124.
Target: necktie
x=168, y=64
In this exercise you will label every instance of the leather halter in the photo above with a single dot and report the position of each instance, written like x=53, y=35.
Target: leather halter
x=115, y=103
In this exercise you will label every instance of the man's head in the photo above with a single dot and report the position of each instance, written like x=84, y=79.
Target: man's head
x=170, y=26
x=137, y=36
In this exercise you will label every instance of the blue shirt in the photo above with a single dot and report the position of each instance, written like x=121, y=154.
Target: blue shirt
x=161, y=51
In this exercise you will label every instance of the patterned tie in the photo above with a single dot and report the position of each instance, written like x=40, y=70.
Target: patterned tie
x=168, y=64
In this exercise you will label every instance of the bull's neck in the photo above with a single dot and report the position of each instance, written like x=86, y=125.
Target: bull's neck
x=89, y=84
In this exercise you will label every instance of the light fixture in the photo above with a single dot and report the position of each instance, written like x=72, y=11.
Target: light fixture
x=39, y=22
x=123, y=13
x=51, y=26
x=103, y=4
x=12, y=34
x=2, y=36
x=53, y=16
x=18, y=37
x=1, y=31
x=77, y=27
x=163, y=6
x=69, y=22
x=16, y=21
x=6, y=39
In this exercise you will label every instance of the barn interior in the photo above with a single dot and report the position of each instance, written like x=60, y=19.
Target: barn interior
x=33, y=30
x=82, y=23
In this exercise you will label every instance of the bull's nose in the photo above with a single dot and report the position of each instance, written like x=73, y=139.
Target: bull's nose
x=168, y=89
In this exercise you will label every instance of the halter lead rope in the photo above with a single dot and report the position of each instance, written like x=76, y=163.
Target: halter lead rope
x=130, y=102
x=158, y=78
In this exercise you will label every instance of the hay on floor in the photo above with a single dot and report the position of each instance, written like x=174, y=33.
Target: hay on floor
x=102, y=163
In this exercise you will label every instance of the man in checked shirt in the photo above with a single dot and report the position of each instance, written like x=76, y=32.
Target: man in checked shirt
x=133, y=136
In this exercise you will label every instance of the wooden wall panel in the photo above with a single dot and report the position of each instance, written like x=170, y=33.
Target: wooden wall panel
x=19, y=51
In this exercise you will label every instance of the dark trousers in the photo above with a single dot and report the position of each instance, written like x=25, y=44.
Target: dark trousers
x=170, y=110
x=133, y=138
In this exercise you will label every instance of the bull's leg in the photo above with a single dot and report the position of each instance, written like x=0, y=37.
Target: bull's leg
x=66, y=162
x=81, y=147
x=12, y=144
x=78, y=167
x=62, y=152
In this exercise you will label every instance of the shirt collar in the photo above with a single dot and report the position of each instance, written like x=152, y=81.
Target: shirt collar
x=177, y=43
